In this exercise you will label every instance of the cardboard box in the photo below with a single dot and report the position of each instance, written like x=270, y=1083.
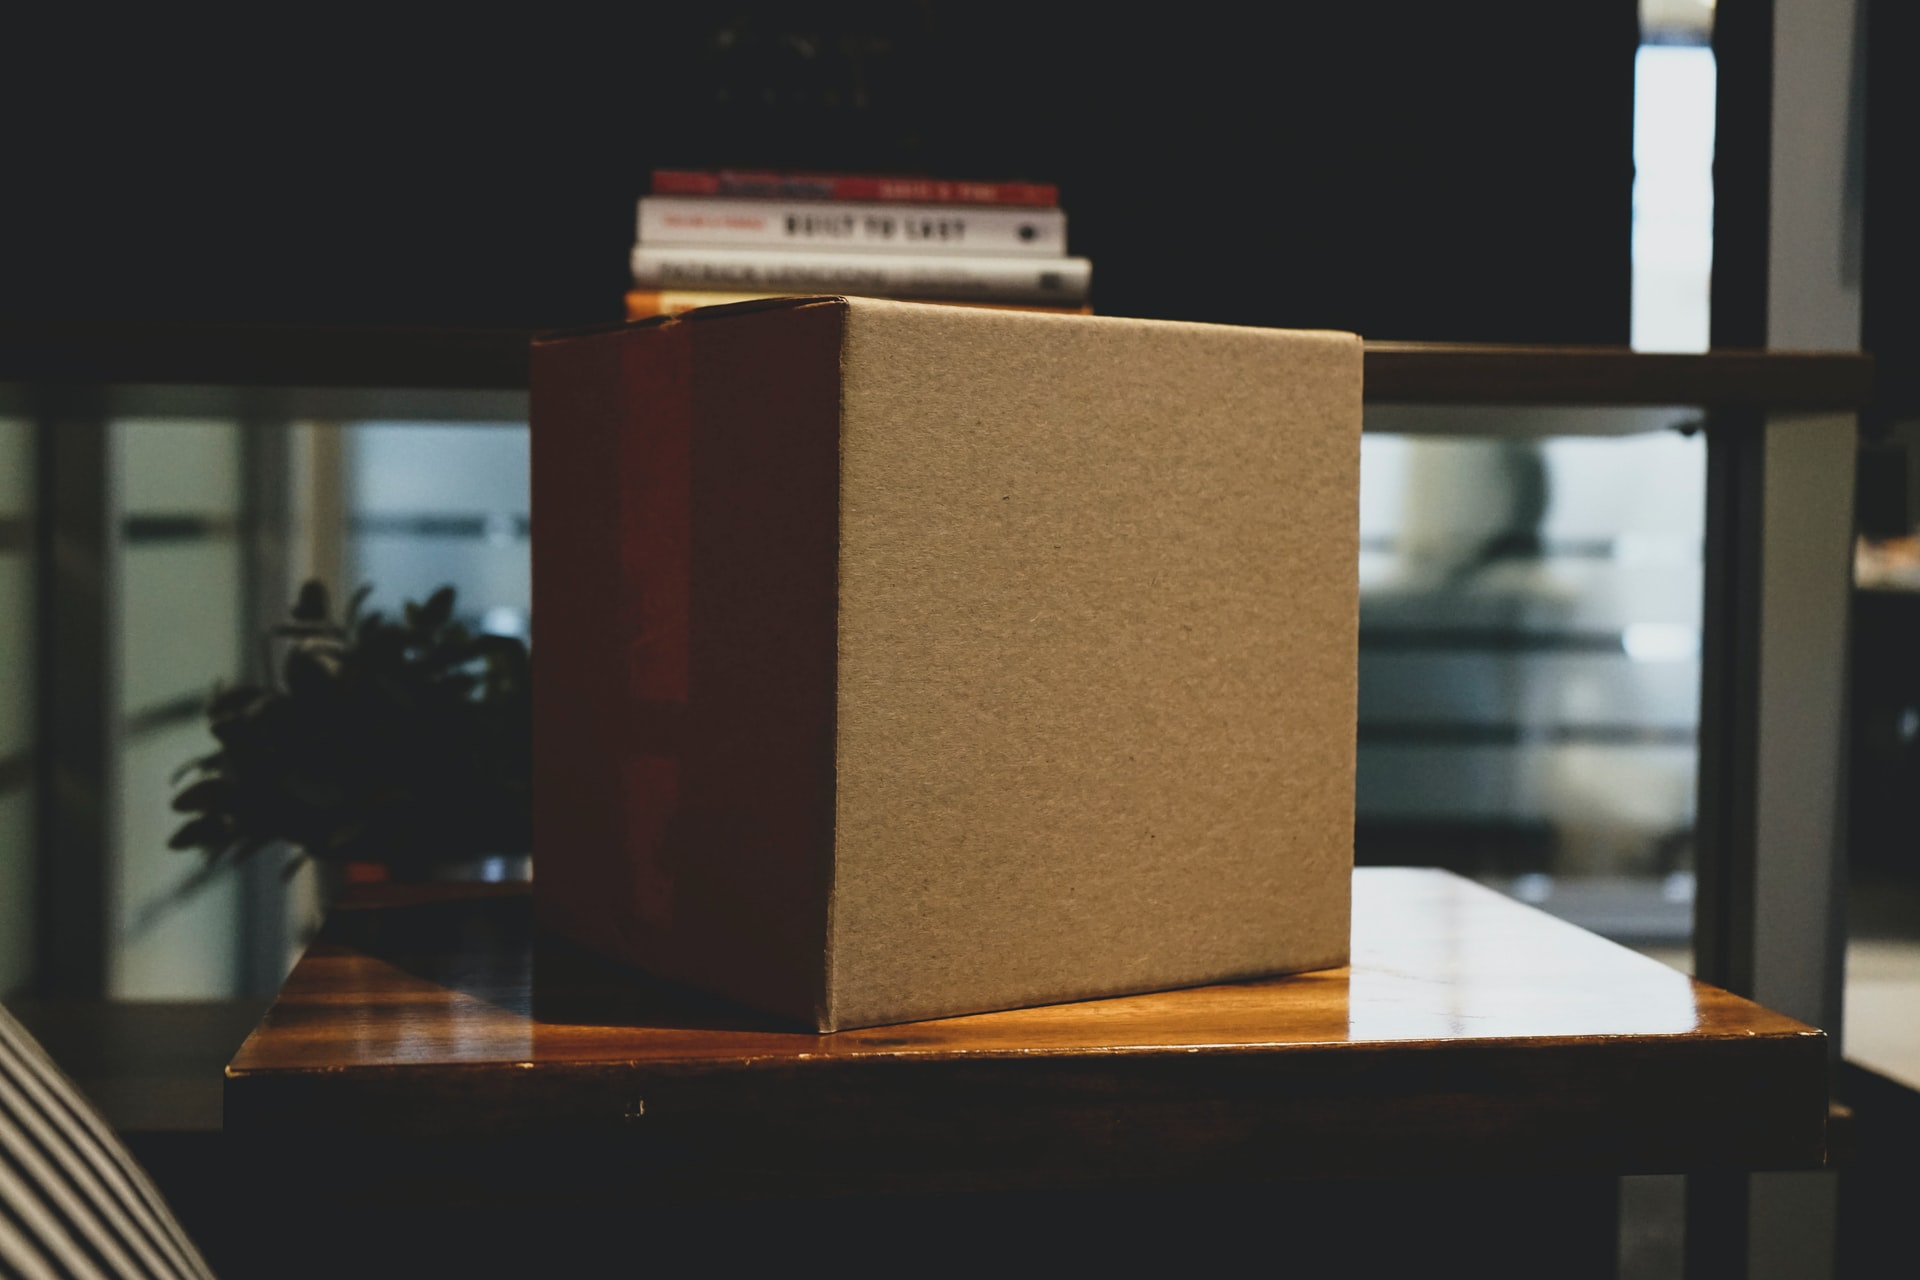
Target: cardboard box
x=897, y=661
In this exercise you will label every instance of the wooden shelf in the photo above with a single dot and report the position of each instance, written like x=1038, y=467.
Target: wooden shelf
x=1454, y=373
x=1471, y=1035
x=113, y=352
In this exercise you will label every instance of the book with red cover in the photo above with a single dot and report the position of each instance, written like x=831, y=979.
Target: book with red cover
x=643, y=304
x=850, y=186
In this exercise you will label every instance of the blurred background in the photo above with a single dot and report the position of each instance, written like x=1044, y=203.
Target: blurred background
x=1531, y=586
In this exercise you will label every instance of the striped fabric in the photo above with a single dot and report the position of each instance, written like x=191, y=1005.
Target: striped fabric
x=73, y=1203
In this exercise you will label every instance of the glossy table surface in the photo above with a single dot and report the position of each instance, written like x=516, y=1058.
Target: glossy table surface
x=1470, y=1033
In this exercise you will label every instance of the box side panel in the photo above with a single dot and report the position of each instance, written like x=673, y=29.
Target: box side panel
x=585, y=880
x=1098, y=655
x=686, y=525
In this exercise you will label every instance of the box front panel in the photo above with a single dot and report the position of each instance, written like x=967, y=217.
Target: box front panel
x=585, y=874
x=1097, y=657
x=685, y=480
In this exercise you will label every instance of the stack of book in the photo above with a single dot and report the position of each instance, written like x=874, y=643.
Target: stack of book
x=715, y=235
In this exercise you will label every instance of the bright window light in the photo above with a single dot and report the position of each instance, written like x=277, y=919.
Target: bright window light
x=1673, y=116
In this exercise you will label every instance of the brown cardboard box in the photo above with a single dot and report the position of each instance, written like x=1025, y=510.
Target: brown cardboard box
x=898, y=661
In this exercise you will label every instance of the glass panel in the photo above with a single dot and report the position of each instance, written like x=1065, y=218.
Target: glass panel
x=1529, y=668
x=181, y=627
x=167, y=946
x=179, y=632
x=432, y=505
x=180, y=608
x=174, y=466
x=441, y=469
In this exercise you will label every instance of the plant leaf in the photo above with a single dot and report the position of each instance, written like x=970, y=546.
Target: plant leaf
x=303, y=630
x=384, y=738
x=198, y=764
x=208, y=833
x=204, y=796
x=312, y=604
x=439, y=608
x=309, y=671
x=232, y=702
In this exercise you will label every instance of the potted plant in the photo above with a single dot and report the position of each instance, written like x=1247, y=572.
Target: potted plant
x=403, y=743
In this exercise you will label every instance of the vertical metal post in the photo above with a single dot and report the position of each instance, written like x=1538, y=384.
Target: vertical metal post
x=1772, y=746
x=1729, y=701
x=1772, y=728
x=316, y=489
x=265, y=550
x=78, y=705
x=1799, y=855
x=1723, y=942
x=1772, y=856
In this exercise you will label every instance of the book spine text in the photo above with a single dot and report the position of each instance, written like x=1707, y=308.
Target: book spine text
x=866, y=227
x=889, y=275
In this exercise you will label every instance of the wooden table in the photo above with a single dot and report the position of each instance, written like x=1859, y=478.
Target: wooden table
x=432, y=1051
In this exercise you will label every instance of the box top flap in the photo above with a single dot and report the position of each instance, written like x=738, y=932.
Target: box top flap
x=795, y=303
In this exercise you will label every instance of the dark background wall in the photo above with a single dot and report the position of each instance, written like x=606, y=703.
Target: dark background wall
x=1890, y=284
x=1411, y=170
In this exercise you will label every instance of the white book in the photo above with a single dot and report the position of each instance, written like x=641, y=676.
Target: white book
x=1060, y=280
x=849, y=225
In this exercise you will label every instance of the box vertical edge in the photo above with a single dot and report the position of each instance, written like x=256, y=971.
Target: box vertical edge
x=754, y=852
